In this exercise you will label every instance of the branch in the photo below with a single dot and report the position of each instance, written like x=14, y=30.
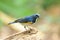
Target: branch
x=32, y=34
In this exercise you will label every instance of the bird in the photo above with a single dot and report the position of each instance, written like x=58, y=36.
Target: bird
x=29, y=19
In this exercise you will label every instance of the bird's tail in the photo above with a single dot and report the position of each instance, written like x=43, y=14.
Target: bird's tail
x=11, y=23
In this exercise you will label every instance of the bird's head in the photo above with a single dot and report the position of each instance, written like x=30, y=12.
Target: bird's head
x=37, y=15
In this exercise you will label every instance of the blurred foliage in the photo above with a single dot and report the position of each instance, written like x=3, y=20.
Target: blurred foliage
x=48, y=3
x=21, y=8
x=18, y=8
x=1, y=23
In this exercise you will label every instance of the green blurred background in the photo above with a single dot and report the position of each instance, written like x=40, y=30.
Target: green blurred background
x=22, y=8
x=18, y=8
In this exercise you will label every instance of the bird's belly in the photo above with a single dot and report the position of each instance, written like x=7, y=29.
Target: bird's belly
x=30, y=22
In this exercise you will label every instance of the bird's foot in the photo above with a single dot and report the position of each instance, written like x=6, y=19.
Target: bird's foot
x=27, y=28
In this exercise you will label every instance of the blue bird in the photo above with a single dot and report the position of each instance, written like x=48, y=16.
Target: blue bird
x=28, y=19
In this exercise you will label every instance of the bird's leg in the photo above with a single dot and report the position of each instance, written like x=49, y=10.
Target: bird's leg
x=26, y=27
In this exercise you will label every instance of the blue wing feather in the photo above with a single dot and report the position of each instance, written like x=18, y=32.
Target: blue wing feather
x=29, y=19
